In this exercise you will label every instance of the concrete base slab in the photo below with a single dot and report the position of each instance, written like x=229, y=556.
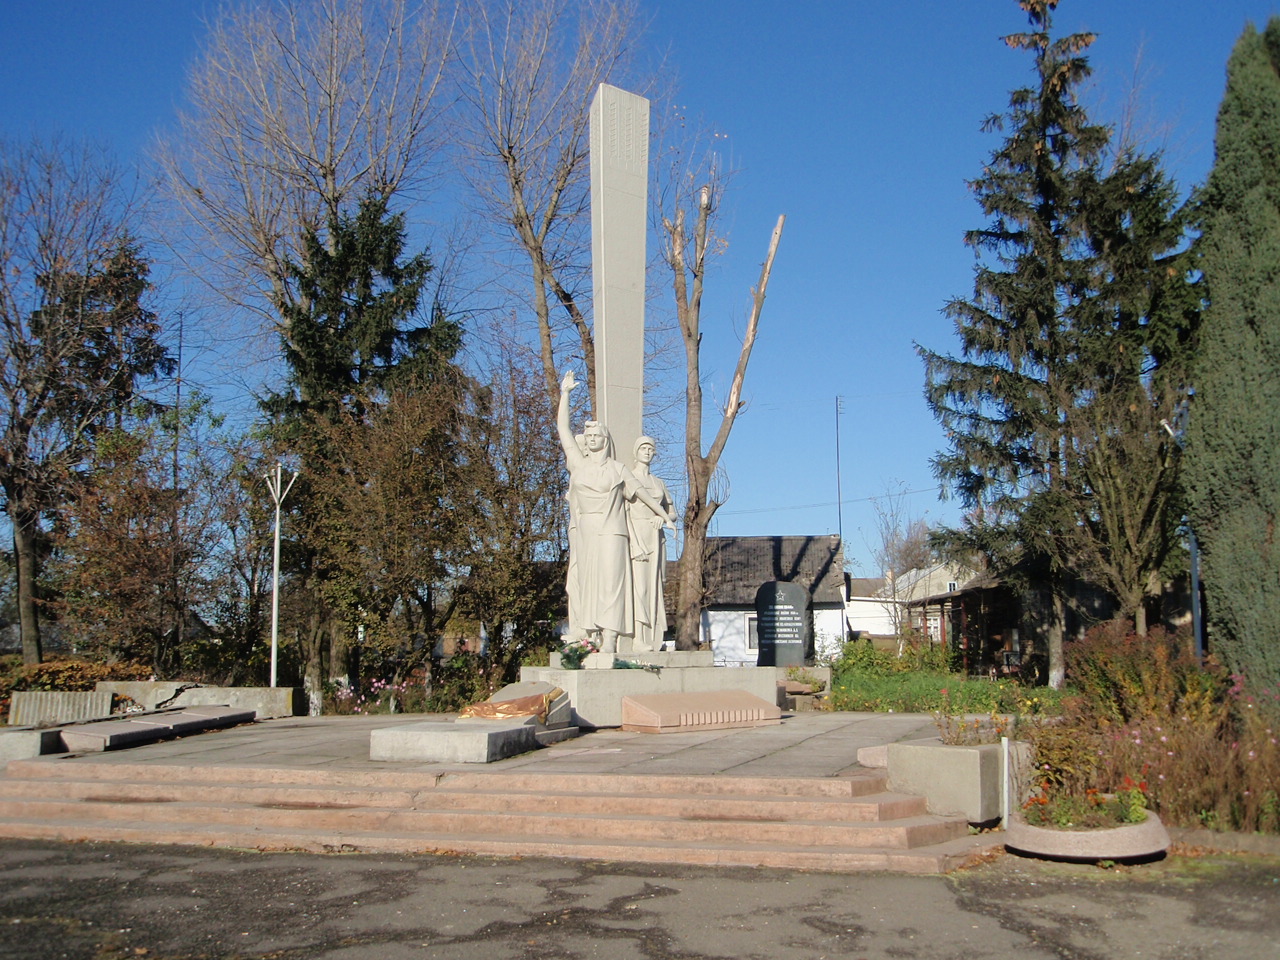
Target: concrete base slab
x=674, y=712
x=479, y=741
x=549, y=735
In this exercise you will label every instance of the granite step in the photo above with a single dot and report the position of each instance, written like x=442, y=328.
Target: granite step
x=932, y=859
x=437, y=777
x=763, y=807
x=823, y=823
x=901, y=833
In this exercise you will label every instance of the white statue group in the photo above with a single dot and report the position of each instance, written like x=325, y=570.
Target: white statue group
x=617, y=549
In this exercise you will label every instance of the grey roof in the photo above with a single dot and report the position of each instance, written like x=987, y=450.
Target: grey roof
x=737, y=566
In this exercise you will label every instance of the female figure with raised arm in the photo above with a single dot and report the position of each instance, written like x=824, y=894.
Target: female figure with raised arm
x=600, y=589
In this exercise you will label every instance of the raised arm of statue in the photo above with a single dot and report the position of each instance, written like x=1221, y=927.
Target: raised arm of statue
x=572, y=453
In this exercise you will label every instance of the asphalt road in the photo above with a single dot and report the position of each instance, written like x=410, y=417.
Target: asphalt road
x=96, y=901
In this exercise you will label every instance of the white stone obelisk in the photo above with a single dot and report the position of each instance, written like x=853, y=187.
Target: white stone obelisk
x=619, y=214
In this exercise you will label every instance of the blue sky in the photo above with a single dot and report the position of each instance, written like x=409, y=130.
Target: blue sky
x=858, y=119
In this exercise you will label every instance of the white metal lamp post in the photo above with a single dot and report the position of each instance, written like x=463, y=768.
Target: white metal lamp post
x=278, y=495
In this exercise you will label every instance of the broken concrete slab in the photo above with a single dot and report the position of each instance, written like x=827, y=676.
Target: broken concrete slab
x=265, y=702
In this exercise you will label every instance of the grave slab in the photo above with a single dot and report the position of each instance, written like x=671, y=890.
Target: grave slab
x=679, y=712
x=118, y=733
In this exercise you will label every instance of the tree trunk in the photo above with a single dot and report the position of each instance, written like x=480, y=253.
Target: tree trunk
x=1056, y=634
x=1140, y=617
x=342, y=657
x=27, y=563
x=693, y=558
x=687, y=257
x=313, y=666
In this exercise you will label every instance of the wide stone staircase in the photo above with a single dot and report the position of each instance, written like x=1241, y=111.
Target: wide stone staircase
x=839, y=824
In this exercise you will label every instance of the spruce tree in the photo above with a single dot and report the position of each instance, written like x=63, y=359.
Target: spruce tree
x=1069, y=346
x=355, y=340
x=1233, y=441
x=1004, y=400
x=353, y=324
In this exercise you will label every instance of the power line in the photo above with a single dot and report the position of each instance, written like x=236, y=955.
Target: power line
x=815, y=506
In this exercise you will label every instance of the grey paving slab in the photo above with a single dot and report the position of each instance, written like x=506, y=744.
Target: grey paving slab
x=803, y=745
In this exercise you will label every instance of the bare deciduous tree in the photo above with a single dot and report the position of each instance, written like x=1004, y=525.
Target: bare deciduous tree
x=531, y=68
x=901, y=545
x=299, y=110
x=689, y=242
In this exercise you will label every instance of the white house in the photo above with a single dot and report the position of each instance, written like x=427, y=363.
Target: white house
x=868, y=613
x=914, y=600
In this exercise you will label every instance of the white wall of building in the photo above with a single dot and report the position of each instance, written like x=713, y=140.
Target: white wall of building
x=870, y=615
x=732, y=635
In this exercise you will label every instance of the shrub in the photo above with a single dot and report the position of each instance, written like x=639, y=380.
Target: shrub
x=455, y=683
x=1204, y=745
x=379, y=697
x=1121, y=676
x=936, y=692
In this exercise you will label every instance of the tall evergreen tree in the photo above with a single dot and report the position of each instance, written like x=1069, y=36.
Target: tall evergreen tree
x=1004, y=401
x=353, y=321
x=1049, y=408
x=1233, y=445
x=355, y=336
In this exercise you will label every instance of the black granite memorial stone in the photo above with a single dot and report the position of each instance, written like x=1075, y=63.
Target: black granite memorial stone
x=782, y=625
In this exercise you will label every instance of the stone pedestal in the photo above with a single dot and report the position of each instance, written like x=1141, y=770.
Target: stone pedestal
x=596, y=695
x=464, y=741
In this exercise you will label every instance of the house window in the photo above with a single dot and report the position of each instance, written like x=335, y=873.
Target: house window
x=952, y=586
x=753, y=637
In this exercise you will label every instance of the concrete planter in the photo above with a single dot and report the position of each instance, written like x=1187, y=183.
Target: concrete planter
x=954, y=780
x=1126, y=841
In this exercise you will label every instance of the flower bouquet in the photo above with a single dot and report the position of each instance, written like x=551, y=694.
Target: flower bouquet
x=575, y=651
